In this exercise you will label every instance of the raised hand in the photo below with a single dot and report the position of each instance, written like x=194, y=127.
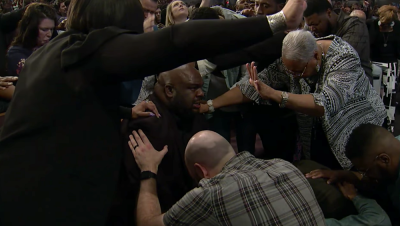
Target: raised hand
x=263, y=90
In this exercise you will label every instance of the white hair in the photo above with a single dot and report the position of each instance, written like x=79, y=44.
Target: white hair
x=299, y=45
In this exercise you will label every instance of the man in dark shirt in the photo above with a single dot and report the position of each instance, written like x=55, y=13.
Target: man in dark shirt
x=322, y=21
x=177, y=96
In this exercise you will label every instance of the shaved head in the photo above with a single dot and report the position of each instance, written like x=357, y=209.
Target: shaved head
x=180, y=90
x=209, y=150
x=359, y=13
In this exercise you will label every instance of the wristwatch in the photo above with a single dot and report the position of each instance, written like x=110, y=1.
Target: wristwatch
x=285, y=97
x=147, y=175
x=210, y=106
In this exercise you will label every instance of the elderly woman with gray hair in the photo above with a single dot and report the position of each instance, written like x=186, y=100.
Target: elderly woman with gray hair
x=328, y=90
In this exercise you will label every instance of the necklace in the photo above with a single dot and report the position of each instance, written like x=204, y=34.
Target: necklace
x=385, y=39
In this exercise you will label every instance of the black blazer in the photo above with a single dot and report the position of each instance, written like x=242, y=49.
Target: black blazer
x=60, y=146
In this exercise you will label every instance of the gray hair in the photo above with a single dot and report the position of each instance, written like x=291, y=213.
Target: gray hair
x=299, y=45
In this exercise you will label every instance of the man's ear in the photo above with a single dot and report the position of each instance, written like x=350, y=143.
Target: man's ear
x=169, y=90
x=329, y=13
x=201, y=171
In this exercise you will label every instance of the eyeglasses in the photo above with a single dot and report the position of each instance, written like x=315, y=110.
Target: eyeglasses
x=364, y=173
x=295, y=74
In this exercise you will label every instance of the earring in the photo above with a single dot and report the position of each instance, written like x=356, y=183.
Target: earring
x=379, y=23
x=392, y=24
x=317, y=68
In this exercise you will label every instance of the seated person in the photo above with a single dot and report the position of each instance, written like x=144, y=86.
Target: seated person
x=177, y=94
x=234, y=189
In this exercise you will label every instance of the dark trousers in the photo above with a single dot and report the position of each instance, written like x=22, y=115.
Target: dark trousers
x=221, y=123
x=277, y=129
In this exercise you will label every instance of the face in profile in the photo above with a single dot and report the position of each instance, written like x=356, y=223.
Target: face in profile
x=63, y=9
x=45, y=31
x=179, y=9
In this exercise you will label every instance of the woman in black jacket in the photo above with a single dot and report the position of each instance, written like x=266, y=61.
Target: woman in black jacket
x=60, y=151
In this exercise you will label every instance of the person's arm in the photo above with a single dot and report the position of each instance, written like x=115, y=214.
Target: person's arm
x=369, y=211
x=255, y=53
x=303, y=103
x=143, y=109
x=7, y=93
x=176, y=45
x=205, y=3
x=9, y=21
x=244, y=92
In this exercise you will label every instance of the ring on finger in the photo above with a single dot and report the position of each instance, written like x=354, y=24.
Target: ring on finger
x=134, y=148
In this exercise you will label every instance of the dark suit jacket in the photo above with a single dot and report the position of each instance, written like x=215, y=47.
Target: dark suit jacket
x=60, y=146
x=8, y=23
x=173, y=180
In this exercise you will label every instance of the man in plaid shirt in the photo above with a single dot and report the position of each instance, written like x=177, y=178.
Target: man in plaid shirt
x=233, y=189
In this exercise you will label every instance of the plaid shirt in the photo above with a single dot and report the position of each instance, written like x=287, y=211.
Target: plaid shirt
x=249, y=191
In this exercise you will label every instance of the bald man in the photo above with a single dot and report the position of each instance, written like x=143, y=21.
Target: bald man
x=360, y=14
x=176, y=95
x=233, y=189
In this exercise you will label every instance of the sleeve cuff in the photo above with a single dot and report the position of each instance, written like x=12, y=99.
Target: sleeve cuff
x=125, y=113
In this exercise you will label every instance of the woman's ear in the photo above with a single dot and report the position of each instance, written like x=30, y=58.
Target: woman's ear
x=316, y=55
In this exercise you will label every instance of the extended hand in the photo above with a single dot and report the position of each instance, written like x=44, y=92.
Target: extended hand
x=263, y=90
x=293, y=12
x=145, y=155
x=6, y=82
x=333, y=176
x=140, y=110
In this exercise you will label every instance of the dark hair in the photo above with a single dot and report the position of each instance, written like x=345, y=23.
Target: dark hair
x=317, y=6
x=281, y=2
x=204, y=13
x=360, y=140
x=66, y=2
x=87, y=15
x=28, y=30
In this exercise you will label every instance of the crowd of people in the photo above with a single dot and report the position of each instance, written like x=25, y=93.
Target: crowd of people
x=145, y=112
